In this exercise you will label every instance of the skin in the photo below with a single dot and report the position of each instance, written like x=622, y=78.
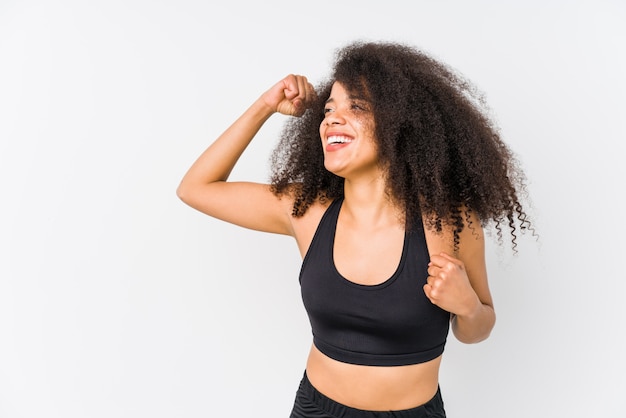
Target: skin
x=368, y=242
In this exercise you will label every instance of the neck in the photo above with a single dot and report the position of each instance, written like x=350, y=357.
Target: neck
x=366, y=202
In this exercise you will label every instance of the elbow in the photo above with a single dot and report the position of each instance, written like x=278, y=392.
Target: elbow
x=473, y=332
x=183, y=193
x=194, y=194
x=472, y=339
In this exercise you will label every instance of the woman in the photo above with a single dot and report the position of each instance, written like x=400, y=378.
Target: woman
x=385, y=180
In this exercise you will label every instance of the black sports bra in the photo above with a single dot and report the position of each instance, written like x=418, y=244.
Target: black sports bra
x=389, y=324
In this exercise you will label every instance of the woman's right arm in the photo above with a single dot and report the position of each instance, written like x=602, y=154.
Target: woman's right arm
x=251, y=205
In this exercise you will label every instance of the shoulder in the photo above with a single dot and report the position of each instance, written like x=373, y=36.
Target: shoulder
x=304, y=226
x=470, y=239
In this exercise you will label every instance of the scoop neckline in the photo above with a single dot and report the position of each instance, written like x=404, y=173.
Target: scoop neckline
x=376, y=286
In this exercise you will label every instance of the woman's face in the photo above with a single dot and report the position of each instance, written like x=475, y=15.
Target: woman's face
x=347, y=134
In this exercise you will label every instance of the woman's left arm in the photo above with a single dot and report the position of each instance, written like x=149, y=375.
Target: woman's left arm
x=459, y=285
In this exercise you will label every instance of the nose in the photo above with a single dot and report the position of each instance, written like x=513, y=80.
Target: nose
x=334, y=118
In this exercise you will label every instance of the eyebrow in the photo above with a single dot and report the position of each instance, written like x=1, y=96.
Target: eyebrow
x=351, y=97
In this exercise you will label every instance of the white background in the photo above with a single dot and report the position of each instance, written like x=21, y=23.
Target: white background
x=117, y=300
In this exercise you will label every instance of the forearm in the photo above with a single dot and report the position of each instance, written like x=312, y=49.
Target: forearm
x=217, y=161
x=476, y=326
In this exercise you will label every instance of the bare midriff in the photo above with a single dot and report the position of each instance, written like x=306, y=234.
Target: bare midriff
x=373, y=388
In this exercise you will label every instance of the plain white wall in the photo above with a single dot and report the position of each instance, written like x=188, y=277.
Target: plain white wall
x=117, y=300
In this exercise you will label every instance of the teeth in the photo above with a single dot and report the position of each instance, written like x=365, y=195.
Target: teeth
x=338, y=140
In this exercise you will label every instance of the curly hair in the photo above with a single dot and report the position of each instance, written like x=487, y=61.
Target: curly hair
x=444, y=154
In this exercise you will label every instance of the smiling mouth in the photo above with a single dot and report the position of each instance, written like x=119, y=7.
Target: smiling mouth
x=337, y=139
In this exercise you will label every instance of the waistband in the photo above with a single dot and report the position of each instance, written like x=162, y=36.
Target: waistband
x=431, y=409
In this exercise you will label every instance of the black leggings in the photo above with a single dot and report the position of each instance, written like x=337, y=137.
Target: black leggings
x=310, y=403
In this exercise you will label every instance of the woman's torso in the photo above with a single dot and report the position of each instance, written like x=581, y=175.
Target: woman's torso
x=372, y=254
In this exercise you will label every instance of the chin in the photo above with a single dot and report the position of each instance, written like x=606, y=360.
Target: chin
x=333, y=170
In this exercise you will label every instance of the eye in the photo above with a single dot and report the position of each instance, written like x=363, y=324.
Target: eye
x=327, y=110
x=360, y=106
